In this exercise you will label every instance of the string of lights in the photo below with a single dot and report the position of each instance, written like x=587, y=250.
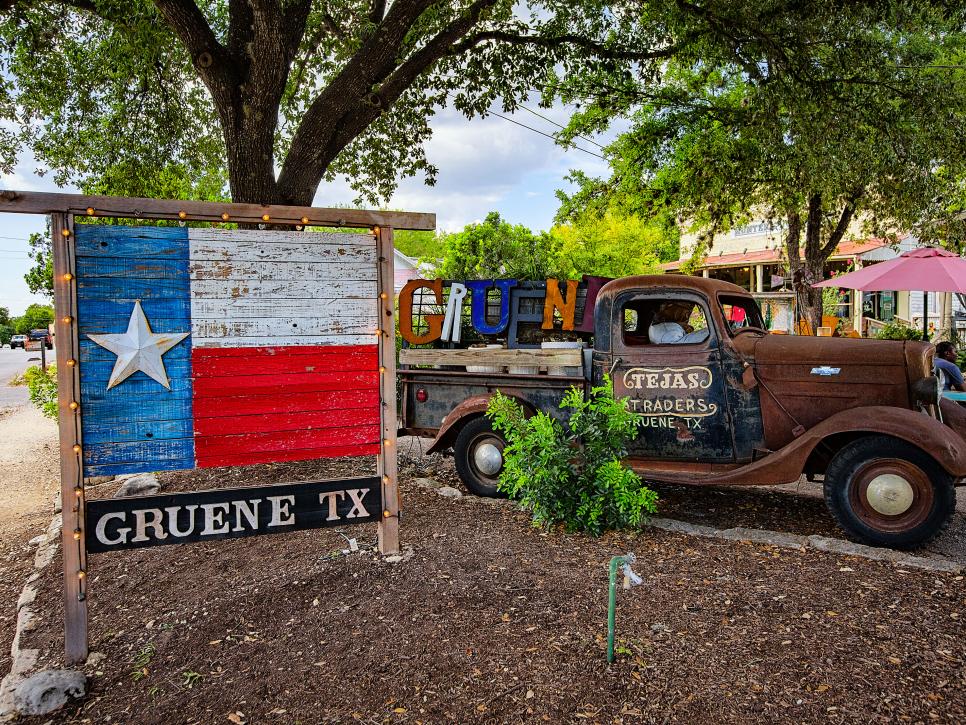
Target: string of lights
x=70, y=319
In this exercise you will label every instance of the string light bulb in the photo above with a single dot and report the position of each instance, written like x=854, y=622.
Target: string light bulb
x=90, y=211
x=67, y=319
x=81, y=574
x=65, y=232
x=224, y=216
x=385, y=479
x=305, y=220
x=375, y=230
x=68, y=277
x=78, y=492
x=71, y=363
x=382, y=368
x=386, y=514
x=77, y=535
x=383, y=296
x=73, y=405
x=265, y=217
x=76, y=448
x=182, y=215
x=387, y=442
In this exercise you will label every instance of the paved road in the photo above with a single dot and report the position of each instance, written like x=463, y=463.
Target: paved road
x=14, y=362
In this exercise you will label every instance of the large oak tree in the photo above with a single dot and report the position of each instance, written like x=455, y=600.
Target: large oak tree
x=286, y=93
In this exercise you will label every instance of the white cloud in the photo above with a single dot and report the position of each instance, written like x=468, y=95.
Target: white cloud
x=489, y=164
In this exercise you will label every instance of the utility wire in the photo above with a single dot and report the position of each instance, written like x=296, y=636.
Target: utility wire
x=560, y=126
x=550, y=136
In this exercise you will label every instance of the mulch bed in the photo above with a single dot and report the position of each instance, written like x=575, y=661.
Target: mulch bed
x=490, y=620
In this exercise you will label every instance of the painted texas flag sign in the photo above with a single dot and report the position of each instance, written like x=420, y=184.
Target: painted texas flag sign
x=204, y=347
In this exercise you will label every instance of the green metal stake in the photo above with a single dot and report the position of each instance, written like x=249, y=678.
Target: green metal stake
x=612, y=604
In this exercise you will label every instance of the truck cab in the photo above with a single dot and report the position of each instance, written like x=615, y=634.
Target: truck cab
x=724, y=402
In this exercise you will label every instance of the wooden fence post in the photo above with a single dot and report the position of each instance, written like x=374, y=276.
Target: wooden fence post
x=71, y=442
x=389, y=525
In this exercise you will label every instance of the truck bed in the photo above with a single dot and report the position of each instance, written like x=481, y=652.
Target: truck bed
x=446, y=389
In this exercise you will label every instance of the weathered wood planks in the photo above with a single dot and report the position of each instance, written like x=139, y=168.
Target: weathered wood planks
x=37, y=202
x=416, y=356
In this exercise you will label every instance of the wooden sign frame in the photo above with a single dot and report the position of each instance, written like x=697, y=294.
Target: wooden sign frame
x=63, y=208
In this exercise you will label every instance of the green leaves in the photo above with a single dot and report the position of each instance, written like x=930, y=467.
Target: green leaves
x=572, y=474
x=42, y=387
x=495, y=248
x=773, y=105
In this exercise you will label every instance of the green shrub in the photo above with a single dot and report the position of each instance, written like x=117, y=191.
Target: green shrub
x=573, y=475
x=897, y=330
x=42, y=386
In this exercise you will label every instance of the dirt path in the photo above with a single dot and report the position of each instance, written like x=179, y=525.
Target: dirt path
x=28, y=482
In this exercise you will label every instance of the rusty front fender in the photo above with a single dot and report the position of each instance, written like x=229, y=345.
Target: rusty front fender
x=941, y=442
x=787, y=463
x=472, y=407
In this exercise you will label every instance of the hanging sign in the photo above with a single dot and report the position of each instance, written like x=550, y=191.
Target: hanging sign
x=132, y=523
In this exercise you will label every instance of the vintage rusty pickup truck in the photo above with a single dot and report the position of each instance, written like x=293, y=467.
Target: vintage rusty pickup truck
x=723, y=402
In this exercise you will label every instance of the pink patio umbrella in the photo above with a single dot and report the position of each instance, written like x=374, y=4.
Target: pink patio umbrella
x=928, y=269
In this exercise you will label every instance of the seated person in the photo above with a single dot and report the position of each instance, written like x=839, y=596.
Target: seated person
x=946, y=361
x=670, y=325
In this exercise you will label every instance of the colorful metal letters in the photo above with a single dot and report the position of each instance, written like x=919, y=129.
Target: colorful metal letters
x=559, y=305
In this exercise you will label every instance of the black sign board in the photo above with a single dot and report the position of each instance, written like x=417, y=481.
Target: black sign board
x=180, y=518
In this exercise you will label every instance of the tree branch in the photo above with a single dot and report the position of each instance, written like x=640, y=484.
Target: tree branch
x=190, y=25
x=378, y=11
x=845, y=218
x=557, y=41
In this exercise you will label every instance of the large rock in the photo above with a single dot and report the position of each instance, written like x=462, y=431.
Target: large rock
x=142, y=484
x=49, y=690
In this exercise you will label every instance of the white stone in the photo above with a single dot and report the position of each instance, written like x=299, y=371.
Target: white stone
x=49, y=690
x=142, y=484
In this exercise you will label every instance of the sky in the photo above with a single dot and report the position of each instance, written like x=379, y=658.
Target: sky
x=484, y=165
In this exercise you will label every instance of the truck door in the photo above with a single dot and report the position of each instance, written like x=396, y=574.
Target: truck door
x=665, y=357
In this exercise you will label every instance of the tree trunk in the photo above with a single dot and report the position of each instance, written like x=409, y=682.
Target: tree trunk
x=811, y=269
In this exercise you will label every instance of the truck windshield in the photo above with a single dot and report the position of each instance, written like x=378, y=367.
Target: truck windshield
x=740, y=313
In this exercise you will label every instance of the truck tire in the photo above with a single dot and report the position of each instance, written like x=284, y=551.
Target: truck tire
x=478, y=453
x=886, y=492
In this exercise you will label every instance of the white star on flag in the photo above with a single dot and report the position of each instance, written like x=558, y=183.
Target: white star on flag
x=139, y=349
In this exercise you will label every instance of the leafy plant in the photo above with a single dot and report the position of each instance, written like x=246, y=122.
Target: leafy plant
x=190, y=678
x=42, y=387
x=139, y=665
x=572, y=474
x=897, y=330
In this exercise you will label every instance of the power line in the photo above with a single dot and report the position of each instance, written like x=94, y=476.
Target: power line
x=550, y=136
x=560, y=126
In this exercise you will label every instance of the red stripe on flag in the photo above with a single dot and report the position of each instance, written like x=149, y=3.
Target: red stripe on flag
x=207, y=361
x=222, y=386
x=265, y=404
x=268, y=422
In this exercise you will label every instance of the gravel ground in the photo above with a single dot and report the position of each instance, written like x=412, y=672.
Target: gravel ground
x=490, y=620
x=28, y=480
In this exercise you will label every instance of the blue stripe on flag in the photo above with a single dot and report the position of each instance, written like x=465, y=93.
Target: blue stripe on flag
x=138, y=425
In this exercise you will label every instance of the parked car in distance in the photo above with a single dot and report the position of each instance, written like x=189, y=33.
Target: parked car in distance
x=18, y=341
x=44, y=337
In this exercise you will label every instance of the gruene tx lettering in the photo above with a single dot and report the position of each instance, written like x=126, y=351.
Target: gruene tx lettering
x=180, y=518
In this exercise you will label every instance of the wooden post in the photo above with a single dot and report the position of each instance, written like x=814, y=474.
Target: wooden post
x=389, y=525
x=71, y=456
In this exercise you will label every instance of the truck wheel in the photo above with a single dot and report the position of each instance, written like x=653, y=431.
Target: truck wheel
x=886, y=492
x=478, y=453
